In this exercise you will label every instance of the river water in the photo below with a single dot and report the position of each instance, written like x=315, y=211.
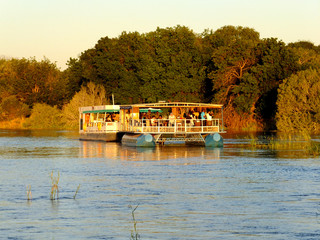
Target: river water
x=181, y=193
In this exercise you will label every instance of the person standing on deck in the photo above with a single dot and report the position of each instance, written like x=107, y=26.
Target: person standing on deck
x=172, y=119
x=209, y=119
x=203, y=118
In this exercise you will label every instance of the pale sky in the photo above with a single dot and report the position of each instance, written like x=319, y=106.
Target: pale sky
x=61, y=29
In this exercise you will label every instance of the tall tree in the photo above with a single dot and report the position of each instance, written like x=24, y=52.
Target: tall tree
x=275, y=62
x=233, y=55
x=175, y=71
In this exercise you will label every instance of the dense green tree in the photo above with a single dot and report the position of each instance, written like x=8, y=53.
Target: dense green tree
x=233, y=55
x=32, y=81
x=117, y=63
x=11, y=108
x=298, y=102
x=305, y=45
x=307, y=58
x=161, y=65
x=246, y=72
x=175, y=70
x=275, y=62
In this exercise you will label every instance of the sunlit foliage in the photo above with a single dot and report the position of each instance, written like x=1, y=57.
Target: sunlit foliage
x=90, y=95
x=44, y=116
x=299, y=102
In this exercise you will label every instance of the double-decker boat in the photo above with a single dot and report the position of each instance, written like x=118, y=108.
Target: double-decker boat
x=154, y=123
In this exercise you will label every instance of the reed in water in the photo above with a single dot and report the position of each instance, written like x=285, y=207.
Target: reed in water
x=54, y=187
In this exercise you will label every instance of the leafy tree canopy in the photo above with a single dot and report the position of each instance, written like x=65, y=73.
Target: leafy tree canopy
x=298, y=102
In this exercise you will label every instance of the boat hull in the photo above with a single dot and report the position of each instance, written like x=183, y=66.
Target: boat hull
x=138, y=140
x=106, y=137
x=214, y=140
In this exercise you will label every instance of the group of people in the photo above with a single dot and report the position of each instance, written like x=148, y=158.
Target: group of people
x=191, y=119
x=112, y=117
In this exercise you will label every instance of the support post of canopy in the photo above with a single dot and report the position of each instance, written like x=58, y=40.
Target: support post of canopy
x=222, y=119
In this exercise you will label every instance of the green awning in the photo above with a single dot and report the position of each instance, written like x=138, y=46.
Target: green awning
x=144, y=110
x=102, y=111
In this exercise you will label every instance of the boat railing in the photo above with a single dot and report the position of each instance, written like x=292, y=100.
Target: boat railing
x=101, y=126
x=173, y=126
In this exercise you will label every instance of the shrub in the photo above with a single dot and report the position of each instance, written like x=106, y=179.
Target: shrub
x=44, y=116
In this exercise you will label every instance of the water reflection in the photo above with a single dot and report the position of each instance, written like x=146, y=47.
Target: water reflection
x=91, y=149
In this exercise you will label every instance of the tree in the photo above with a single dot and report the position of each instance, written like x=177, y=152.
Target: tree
x=298, y=102
x=275, y=62
x=175, y=68
x=305, y=45
x=306, y=57
x=232, y=57
x=12, y=108
x=32, y=81
x=90, y=95
x=161, y=65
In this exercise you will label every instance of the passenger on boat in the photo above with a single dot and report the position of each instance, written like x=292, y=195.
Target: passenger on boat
x=109, y=118
x=196, y=114
x=172, y=119
x=144, y=119
x=203, y=118
x=162, y=122
x=188, y=120
x=209, y=119
x=153, y=121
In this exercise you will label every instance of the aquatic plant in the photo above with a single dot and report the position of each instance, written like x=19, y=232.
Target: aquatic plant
x=54, y=188
x=29, y=193
x=313, y=148
x=134, y=233
x=287, y=142
x=74, y=196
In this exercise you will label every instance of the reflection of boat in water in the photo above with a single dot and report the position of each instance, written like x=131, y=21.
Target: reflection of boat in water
x=117, y=151
x=154, y=123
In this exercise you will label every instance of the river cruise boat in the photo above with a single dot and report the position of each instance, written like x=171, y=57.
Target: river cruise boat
x=100, y=123
x=154, y=123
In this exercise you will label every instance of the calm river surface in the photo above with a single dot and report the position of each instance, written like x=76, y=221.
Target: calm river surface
x=182, y=193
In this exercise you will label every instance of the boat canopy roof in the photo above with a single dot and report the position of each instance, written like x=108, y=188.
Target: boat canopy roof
x=100, y=109
x=144, y=107
x=144, y=110
x=172, y=105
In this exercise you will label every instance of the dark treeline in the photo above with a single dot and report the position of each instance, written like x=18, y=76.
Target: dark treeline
x=231, y=65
